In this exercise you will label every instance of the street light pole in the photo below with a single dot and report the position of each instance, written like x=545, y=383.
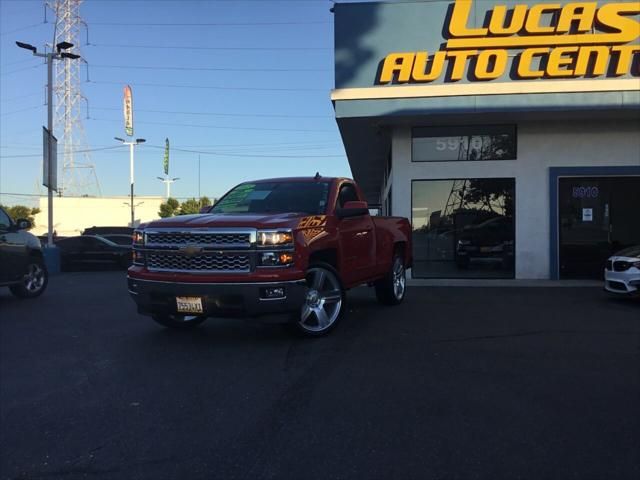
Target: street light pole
x=56, y=54
x=168, y=181
x=131, y=144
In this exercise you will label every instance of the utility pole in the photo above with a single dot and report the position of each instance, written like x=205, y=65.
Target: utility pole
x=131, y=144
x=56, y=54
x=199, y=196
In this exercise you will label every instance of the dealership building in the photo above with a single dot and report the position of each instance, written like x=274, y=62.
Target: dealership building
x=509, y=134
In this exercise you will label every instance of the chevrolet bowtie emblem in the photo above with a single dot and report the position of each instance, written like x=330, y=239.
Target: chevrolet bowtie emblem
x=190, y=250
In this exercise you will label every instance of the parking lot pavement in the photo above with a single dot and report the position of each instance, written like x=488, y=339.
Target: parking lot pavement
x=467, y=383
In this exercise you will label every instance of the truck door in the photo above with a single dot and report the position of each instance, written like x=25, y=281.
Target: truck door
x=357, y=240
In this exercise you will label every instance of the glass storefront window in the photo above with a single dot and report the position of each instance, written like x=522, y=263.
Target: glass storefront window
x=443, y=144
x=463, y=228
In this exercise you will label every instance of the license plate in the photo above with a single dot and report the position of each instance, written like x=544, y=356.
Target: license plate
x=189, y=304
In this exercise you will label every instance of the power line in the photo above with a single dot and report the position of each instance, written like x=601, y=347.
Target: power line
x=20, y=110
x=211, y=87
x=19, y=97
x=30, y=67
x=207, y=24
x=85, y=150
x=22, y=28
x=243, y=155
x=212, y=69
x=198, y=47
x=218, y=114
x=220, y=127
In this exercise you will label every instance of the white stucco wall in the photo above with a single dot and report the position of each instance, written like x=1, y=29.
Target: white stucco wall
x=540, y=145
x=71, y=215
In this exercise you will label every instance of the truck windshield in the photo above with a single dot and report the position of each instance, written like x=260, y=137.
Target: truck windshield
x=275, y=197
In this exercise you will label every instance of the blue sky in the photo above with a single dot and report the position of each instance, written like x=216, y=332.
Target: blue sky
x=255, y=95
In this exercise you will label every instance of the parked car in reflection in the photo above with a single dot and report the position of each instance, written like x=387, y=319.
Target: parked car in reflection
x=622, y=272
x=491, y=240
x=92, y=250
x=119, y=239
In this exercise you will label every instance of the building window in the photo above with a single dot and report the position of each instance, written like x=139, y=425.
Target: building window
x=444, y=144
x=463, y=228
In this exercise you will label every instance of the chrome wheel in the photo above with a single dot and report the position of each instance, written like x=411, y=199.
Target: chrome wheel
x=323, y=302
x=399, y=279
x=35, y=278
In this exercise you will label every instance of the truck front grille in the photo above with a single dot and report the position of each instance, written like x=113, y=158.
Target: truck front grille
x=210, y=239
x=205, y=262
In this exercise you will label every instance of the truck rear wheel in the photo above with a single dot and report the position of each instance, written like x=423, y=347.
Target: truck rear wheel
x=390, y=290
x=323, y=305
x=178, y=322
x=34, y=282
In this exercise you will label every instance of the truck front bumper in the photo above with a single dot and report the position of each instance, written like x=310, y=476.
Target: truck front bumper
x=219, y=299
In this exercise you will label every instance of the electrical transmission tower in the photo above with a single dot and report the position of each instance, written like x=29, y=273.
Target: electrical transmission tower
x=78, y=172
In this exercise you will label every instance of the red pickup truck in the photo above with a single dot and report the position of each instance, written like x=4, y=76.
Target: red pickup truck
x=287, y=248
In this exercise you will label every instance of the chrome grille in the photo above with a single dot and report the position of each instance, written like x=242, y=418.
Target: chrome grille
x=211, y=239
x=206, y=262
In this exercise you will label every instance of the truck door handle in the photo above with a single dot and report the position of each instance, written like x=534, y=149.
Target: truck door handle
x=363, y=233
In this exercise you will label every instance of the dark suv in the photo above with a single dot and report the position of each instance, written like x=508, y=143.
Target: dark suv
x=22, y=267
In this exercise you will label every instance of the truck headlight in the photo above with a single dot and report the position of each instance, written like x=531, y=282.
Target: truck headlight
x=138, y=237
x=274, y=237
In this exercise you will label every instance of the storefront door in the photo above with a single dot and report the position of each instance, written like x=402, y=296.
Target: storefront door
x=597, y=217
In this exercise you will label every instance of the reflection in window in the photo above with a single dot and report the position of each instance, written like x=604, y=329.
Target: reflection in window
x=438, y=144
x=463, y=228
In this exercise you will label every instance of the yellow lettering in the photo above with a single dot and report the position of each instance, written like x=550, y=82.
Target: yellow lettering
x=400, y=63
x=535, y=14
x=499, y=59
x=585, y=54
x=460, y=18
x=524, y=64
x=583, y=13
x=557, y=62
x=498, y=19
x=419, y=73
x=612, y=15
x=625, y=57
x=459, y=62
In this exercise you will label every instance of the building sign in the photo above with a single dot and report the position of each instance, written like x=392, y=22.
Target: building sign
x=128, y=111
x=165, y=162
x=575, y=40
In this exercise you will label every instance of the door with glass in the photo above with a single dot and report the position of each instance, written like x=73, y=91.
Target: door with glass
x=598, y=216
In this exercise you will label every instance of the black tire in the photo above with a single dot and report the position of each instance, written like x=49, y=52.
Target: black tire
x=35, y=281
x=324, y=304
x=178, y=322
x=391, y=289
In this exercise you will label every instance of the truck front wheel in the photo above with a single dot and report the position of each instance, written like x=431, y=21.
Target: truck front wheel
x=323, y=304
x=178, y=322
x=390, y=290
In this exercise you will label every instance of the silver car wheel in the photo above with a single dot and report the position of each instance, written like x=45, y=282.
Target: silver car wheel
x=35, y=278
x=399, y=279
x=323, y=302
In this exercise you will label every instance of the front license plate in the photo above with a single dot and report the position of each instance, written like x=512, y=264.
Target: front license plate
x=189, y=304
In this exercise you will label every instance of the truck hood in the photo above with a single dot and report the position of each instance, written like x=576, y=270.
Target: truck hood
x=251, y=220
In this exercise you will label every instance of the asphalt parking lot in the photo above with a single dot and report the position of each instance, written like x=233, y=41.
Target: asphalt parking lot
x=456, y=383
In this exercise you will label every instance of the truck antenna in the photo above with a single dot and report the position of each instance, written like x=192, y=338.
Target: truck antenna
x=317, y=177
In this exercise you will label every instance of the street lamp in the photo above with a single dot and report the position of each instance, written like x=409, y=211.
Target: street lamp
x=168, y=181
x=58, y=54
x=132, y=144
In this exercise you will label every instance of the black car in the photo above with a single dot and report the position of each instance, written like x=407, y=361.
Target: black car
x=93, y=250
x=22, y=267
x=491, y=240
x=108, y=231
x=119, y=238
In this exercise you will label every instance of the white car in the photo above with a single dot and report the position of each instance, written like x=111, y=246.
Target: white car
x=622, y=272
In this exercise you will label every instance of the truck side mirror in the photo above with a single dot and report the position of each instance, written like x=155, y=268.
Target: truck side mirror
x=353, y=209
x=23, y=224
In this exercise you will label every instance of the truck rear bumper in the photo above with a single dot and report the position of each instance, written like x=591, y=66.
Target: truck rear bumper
x=219, y=299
